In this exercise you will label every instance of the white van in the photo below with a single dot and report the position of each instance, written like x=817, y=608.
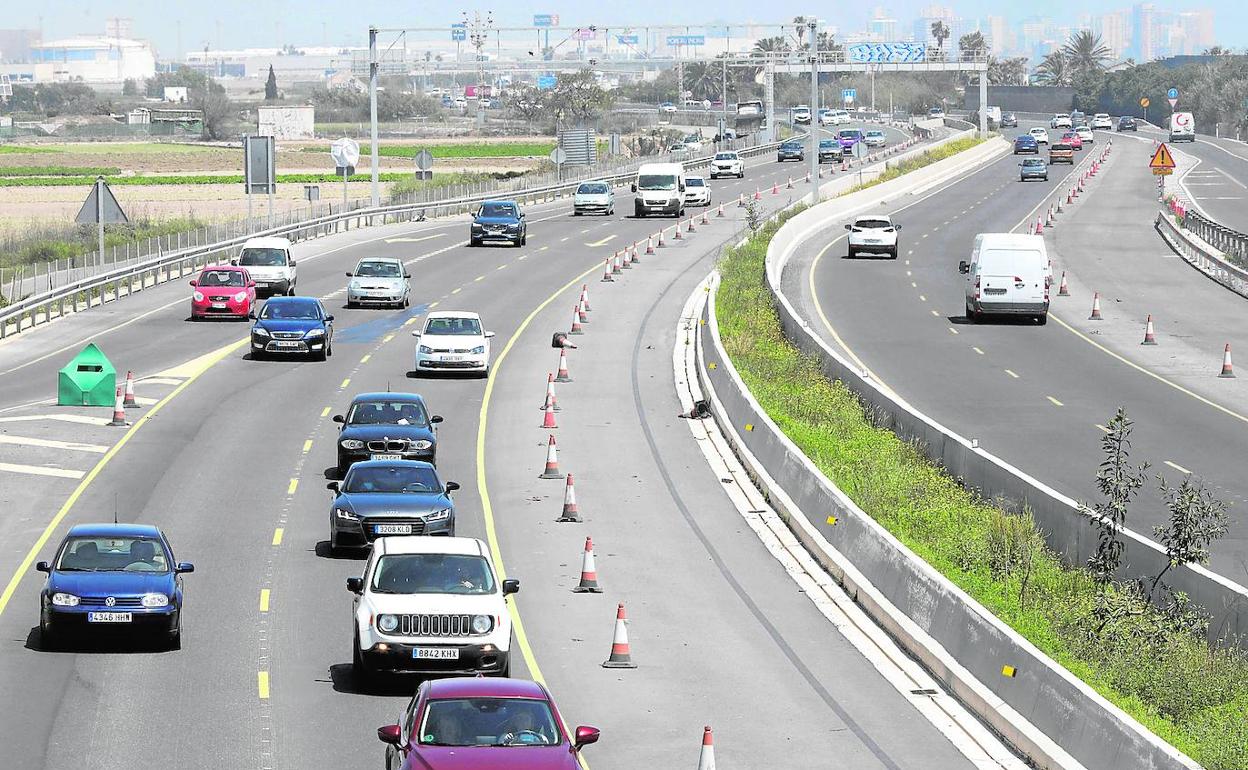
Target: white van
x=1182, y=127
x=270, y=264
x=1008, y=275
x=660, y=189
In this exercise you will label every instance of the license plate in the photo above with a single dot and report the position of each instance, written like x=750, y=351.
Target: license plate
x=393, y=529
x=218, y=306
x=288, y=344
x=994, y=291
x=452, y=358
x=109, y=617
x=436, y=653
x=872, y=240
x=386, y=457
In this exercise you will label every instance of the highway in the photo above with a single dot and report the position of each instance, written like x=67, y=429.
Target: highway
x=1214, y=175
x=231, y=459
x=1038, y=396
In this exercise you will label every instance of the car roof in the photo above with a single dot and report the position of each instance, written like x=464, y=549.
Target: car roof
x=468, y=687
x=1008, y=240
x=388, y=396
x=268, y=241
x=454, y=314
x=114, y=530
x=296, y=300
x=235, y=268
x=390, y=464
x=380, y=259
x=513, y=203
x=461, y=546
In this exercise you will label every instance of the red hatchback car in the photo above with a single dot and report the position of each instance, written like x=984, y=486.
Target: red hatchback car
x=223, y=290
x=483, y=724
x=1071, y=138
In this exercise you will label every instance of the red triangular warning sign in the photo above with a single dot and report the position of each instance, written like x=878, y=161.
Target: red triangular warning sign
x=1162, y=158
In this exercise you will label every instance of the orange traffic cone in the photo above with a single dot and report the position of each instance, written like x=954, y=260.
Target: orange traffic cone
x=775, y=188
x=1149, y=337
x=119, y=410
x=706, y=760
x=758, y=194
x=589, y=574
x=634, y=257
x=621, y=657
x=741, y=201
x=649, y=245
x=625, y=261
x=576, y=321
x=129, y=401
x=569, y=503
x=551, y=402
x=677, y=236
x=661, y=244
x=615, y=264
x=691, y=228
x=552, y=459
x=585, y=297
x=580, y=312
x=705, y=221
x=789, y=186
x=1227, y=369
x=720, y=214
x=606, y=272
x=1096, y=307
x=562, y=373
x=1062, y=290
x=548, y=418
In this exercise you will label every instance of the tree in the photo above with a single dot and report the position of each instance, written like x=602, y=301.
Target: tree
x=704, y=79
x=1054, y=70
x=1197, y=518
x=972, y=45
x=526, y=103
x=1085, y=52
x=578, y=97
x=940, y=31
x=1008, y=72
x=771, y=45
x=270, y=86
x=1119, y=482
x=130, y=87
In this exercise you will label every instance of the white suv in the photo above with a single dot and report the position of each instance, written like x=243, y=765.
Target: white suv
x=453, y=341
x=875, y=233
x=1101, y=121
x=727, y=163
x=1060, y=120
x=430, y=605
x=270, y=264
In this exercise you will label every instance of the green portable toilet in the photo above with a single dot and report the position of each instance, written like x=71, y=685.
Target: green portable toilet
x=89, y=379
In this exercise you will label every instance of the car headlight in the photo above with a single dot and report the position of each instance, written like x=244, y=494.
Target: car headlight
x=441, y=515
x=422, y=444
x=240, y=297
x=351, y=443
x=315, y=333
x=426, y=349
x=155, y=600
x=259, y=331
x=478, y=226
x=198, y=297
x=478, y=350
x=513, y=228
x=482, y=624
x=64, y=600
x=345, y=515
x=387, y=624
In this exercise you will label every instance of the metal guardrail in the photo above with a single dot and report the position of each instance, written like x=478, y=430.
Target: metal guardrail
x=1232, y=243
x=84, y=293
x=1200, y=252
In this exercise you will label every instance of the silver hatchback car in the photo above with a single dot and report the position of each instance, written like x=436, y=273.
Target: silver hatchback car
x=379, y=281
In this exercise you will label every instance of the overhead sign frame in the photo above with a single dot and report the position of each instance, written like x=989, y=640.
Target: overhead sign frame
x=887, y=53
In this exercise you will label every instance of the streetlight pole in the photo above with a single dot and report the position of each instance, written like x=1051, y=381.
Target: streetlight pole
x=813, y=30
x=373, y=67
x=479, y=33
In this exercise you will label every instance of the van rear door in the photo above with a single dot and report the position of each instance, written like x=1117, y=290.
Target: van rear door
x=1012, y=279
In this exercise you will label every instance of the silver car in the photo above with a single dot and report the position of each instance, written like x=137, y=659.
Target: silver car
x=593, y=197
x=379, y=281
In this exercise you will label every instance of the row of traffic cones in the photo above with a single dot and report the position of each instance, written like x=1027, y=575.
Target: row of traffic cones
x=125, y=400
x=1150, y=334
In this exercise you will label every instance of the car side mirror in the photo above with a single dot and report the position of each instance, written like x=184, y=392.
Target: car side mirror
x=434, y=420
x=964, y=267
x=389, y=734
x=339, y=418
x=896, y=227
x=184, y=567
x=251, y=315
x=251, y=284
x=329, y=318
x=511, y=586
x=355, y=585
x=451, y=486
x=849, y=227
x=633, y=187
x=193, y=282
x=292, y=263
x=489, y=334
x=234, y=261
x=416, y=333
x=43, y=566
x=407, y=275
x=350, y=274
x=586, y=735
x=332, y=486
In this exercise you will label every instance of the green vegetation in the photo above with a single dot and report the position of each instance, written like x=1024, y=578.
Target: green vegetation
x=22, y=149
x=926, y=158
x=79, y=240
x=57, y=171
x=1162, y=674
x=465, y=150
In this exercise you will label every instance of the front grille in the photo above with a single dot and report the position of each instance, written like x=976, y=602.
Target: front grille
x=388, y=445
x=219, y=299
x=435, y=625
x=287, y=335
x=453, y=350
x=121, y=601
x=418, y=526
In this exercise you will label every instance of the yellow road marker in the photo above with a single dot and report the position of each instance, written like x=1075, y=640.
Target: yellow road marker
x=367, y=356
x=1009, y=671
x=264, y=600
x=952, y=330
x=325, y=412
x=345, y=383
x=1102, y=427
x=922, y=298
x=307, y=446
x=292, y=486
x=1178, y=468
x=1012, y=373
x=501, y=267
x=749, y=426
x=411, y=321
x=603, y=242
x=433, y=304
x=1055, y=401
x=977, y=350
x=277, y=536
x=456, y=291
x=478, y=278
x=389, y=337
x=832, y=520
x=262, y=684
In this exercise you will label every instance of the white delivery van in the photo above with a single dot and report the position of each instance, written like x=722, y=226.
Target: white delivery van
x=1182, y=127
x=1008, y=274
x=660, y=189
x=270, y=264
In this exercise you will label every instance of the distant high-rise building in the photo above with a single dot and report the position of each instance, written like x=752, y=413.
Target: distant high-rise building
x=1031, y=34
x=1143, y=32
x=1000, y=39
x=929, y=15
x=883, y=27
x=1198, y=33
x=1112, y=27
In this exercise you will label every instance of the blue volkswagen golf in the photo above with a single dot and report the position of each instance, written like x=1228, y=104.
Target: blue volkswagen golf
x=112, y=576
x=293, y=326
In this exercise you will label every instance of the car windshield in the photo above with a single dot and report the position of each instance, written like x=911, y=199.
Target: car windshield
x=498, y=210
x=725, y=156
x=265, y=257
x=850, y=133
x=791, y=146
x=387, y=413
x=113, y=554
x=391, y=479
x=826, y=143
x=873, y=224
x=875, y=133
x=695, y=181
x=593, y=188
x=220, y=278
x=432, y=573
x=460, y=327
x=378, y=269
x=1033, y=162
x=656, y=181
x=512, y=722
x=291, y=311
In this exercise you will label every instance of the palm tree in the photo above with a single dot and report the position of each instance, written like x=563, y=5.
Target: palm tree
x=703, y=79
x=1085, y=52
x=1054, y=70
x=940, y=31
x=799, y=27
x=972, y=44
x=771, y=45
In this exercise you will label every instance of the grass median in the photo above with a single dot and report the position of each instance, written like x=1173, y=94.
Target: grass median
x=1194, y=697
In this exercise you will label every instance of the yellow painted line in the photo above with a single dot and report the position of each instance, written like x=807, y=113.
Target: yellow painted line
x=478, y=279
x=936, y=314
x=908, y=274
x=389, y=337
x=913, y=285
x=74, y=446
x=277, y=536
x=414, y=240
x=207, y=362
x=1154, y=375
x=1178, y=468
x=262, y=684
x=307, y=445
x=1012, y=373
x=433, y=304
x=603, y=242
x=501, y=267
x=922, y=298
x=952, y=330
x=977, y=350
x=345, y=383
x=40, y=470
x=411, y=321
x=292, y=486
x=456, y=291
x=367, y=356
x=325, y=412
x=264, y=600
x=1054, y=401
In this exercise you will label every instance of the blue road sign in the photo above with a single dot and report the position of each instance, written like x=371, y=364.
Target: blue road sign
x=546, y=82
x=888, y=53
x=545, y=20
x=849, y=94
x=686, y=39
x=628, y=39
x=459, y=32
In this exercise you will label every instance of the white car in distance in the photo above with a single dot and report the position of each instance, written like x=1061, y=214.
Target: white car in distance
x=1060, y=120
x=874, y=137
x=593, y=197
x=874, y=234
x=379, y=281
x=727, y=163
x=1085, y=134
x=430, y=604
x=697, y=192
x=834, y=118
x=453, y=341
x=1040, y=135
x=1101, y=121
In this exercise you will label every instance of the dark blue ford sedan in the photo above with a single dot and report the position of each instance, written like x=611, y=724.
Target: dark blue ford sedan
x=112, y=576
x=1026, y=143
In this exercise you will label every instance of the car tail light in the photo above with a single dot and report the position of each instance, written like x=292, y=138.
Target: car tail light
x=977, y=287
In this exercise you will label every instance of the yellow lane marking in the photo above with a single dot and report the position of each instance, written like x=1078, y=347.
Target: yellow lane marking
x=913, y=285
x=433, y=304
x=411, y=321
x=277, y=536
x=367, y=356
x=952, y=330
x=603, y=242
x=262, y=684
x=389, y=337
x=264, y=600
x=1178, y=468
x=977, y=350
x=307, y=445
x=292, y=486
x=922, y=298
x=501, y=267
x=39, y=470
x=414, y=240
x=936, y=314
x=478, y=278
x=325, y=412
x=1011, y=373
x=456, y=291
x=1154, y=375
x=345, y=383
x=22, y=569
x=74, y=446
x=1054, y=401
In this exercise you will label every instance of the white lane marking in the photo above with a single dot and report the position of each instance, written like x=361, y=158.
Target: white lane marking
x=153, y=380
x=73, y=446
x=415, y=240
x=1178, y=468
x=38, y=470
x=81, y=419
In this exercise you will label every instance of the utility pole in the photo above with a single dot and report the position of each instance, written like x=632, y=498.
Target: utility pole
x=813, y=29
x=769, y=98
x=479, y=33
x=373, y=67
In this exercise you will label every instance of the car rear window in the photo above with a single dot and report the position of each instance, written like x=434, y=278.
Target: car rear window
x=432, y=573
x=1033, y=162
x=873, y=224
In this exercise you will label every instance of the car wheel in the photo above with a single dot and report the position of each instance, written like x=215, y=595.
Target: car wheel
x=350, y=305
x=363, y=675
x=524, y=239
x=611, y=211
x=970, y=313
x=175, y=638
x=473, y=242
x=48, y=639
x=1042, y=319
x=290, y=290
x=575, y=213
x=851, y=253
x=329, y=347
x=893, y=252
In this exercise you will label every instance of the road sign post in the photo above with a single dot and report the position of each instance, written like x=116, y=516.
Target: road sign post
x=1162, y=166
x=848, y=95
x=424, y=165
x=99, y=208
x=1144, y=102
x=558, y=156
x=346, y=153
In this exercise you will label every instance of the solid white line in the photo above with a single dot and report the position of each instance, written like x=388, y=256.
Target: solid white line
x=1178, y=468
x=1233, y=179
x=36, y=470
x=81, y=419
x=49, y=443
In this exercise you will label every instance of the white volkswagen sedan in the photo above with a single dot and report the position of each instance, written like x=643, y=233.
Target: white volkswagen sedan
x=379, y=281
x=453, y=341
x=697, y=193
x=873, y=233
x=1041, y=136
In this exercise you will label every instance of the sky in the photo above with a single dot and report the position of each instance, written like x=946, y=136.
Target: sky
x=266, y=23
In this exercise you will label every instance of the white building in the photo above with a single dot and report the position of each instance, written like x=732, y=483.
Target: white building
x=92, y=59
x=286, y=122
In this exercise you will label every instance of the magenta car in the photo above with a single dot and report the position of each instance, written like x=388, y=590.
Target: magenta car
x=483, y=724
